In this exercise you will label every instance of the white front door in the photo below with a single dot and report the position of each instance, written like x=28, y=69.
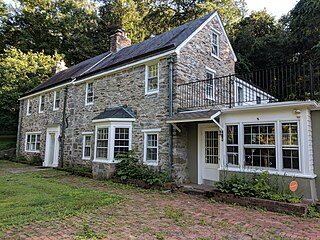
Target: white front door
x=52, y=147
x=208, y=159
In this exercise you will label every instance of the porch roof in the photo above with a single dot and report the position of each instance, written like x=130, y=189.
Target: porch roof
x=192, y=116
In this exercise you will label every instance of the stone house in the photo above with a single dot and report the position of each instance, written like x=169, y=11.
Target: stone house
x=175, y=100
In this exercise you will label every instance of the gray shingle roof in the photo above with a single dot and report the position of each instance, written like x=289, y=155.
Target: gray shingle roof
x=118, y=112
x=192, y=115
x=152, y=46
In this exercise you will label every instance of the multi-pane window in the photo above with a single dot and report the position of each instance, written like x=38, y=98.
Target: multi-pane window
x=232, y=145
x=259, y=140
x=151, y=143
x=102, y=143
x=211, y=147
x=86, y=147
x=210, y=85
x=33, y=142
x=121, y=141
x=56, y=100
x=89, y=93
x=41, y=103
x=290, y=146
x=152, y=78
x=29, y=107
x=215, y=44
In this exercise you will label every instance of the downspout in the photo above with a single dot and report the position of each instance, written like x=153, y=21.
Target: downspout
x=63, y=130
x=19, y=127
x=170, y=62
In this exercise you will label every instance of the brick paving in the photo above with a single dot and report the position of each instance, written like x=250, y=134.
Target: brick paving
x=145, y=214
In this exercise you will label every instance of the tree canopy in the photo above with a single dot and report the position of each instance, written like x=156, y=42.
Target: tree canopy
x=34, y=32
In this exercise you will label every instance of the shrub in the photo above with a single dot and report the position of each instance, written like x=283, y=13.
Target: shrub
x=129, y=168
x=257, y=185
x=78, y=169
x=35, y=160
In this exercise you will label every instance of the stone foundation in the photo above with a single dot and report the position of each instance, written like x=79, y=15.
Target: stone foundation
x=103, y=170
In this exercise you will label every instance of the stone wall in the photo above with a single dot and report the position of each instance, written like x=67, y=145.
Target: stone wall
x=122, y=88
x=191, y=65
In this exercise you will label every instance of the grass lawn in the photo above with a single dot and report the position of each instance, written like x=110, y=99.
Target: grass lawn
x=7, y=142
x=39, y=196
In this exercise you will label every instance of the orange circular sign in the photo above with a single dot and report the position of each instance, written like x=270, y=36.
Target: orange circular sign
x=293, y=186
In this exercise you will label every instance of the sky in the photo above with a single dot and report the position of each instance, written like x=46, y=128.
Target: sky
x=276, y=8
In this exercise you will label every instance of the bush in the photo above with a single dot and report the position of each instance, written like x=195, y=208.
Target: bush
x=257, y=185
x=131, y=169
x=78, y=169
x=35, y=160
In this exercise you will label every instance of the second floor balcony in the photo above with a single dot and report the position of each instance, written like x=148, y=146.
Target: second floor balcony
x=294, y=82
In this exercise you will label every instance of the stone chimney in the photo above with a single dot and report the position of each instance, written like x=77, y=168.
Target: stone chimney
x=119, y=40
x=61, y=65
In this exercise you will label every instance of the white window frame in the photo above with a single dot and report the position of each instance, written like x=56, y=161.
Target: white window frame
x=40, y=103
x=111, y=126
x=84, y=135
x=233, y=145
x=29, y=106
x=212, y=85
x=86, y=99
x=278, y=149
x=216, y=33
x=55, y=108
x=147, y=132
x=37, y=140
x=297, y=147
x=147, y=92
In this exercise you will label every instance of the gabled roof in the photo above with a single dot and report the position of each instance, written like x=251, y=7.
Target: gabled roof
x=118, y=112
x=153, y=46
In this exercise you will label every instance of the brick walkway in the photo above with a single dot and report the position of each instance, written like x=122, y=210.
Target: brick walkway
x=152, y=215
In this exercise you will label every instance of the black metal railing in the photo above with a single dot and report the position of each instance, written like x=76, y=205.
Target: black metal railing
x=282, y=83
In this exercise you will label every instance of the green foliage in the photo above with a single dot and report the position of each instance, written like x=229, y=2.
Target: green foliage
x=7, y=142
x=257, y=185
x=20, y=72
x=34, y=160
x=78, y=169
x=39, y=196
x=129, y=168
x=313, y=211
x=86, y=232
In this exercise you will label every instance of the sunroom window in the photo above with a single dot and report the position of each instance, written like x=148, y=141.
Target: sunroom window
x=259, y=145
x=232, y=145
x=290, y=146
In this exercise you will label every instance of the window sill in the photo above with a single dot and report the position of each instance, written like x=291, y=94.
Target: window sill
x=86, y=159
x=29, y=151
x=105, y=161
x=55, y=109
x=151, y=93
x=88, y=104
x=273, y=172
x=151, y=163
x=216, y=57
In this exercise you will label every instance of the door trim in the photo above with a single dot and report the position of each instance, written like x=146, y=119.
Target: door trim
x=55, y=130
x=201, y=128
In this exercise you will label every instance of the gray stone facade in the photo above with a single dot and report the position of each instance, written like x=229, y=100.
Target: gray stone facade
x=127, y=87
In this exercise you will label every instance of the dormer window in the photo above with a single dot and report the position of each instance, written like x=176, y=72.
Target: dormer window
x=152, y=79
x=89, y=93
x=215, y=44
x=56, y=100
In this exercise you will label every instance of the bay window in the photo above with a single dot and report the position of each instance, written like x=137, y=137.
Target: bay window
x=111, y=140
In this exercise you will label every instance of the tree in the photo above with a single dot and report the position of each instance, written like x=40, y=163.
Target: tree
x=19, y=73
x=304, y=26
x=66, y=26
x=259, y=41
